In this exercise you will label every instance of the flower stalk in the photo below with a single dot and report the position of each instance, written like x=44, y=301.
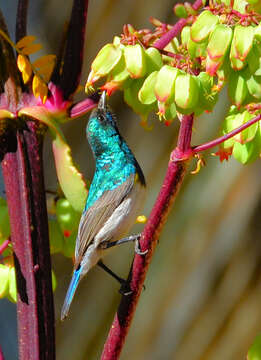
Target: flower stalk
x=173, y=179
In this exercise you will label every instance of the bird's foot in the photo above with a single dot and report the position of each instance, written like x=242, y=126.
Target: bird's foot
x=138, y=249
x=125, y=288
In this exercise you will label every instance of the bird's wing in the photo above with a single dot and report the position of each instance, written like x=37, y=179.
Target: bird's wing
x=94, y=217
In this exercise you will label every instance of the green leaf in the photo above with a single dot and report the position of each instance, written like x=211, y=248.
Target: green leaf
x=146, y=94
x=203, y=26
x=254, y=353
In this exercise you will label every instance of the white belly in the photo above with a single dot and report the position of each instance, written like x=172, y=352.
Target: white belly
x=124, y=216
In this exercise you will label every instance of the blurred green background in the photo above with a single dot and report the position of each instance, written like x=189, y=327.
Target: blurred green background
x=203, y=294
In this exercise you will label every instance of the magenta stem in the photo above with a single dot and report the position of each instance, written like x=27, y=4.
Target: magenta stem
x=84, y=106
x=1, y=354
x=176, y=29
x=225, y=137
x=173, y=179
x=4, y=246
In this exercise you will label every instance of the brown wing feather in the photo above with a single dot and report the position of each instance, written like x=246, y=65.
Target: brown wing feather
x=94, y=218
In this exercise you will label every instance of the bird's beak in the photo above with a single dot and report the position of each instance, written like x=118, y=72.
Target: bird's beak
x=102, y=102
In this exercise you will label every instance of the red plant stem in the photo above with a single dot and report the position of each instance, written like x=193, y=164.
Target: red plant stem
x=176, y=29
x=21, y=19
x=168, y=192
x=4, y=246
x=84, y=106
x=23, y=177
x=73, y=54
x=225, y=137
x=1, y=354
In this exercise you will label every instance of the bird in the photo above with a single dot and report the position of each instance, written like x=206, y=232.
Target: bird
x=114, y=200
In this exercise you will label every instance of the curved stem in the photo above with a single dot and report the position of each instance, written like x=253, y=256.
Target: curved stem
x=84, y=106
x=176, y=29
x=173, y=179
x=4, y=246
x=225, y=137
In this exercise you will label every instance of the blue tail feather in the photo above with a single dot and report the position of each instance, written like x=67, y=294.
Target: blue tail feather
x=70, y=293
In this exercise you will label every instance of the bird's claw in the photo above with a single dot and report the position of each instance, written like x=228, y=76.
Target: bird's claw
x=138, y=250
x=125, y=288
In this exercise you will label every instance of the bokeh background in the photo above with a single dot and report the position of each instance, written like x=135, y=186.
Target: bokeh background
x=203, y=291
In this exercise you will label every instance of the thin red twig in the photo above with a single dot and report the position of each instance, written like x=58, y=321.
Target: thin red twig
x=4, y=246
x=173, y=179
x=225, y=137
x=176, y=29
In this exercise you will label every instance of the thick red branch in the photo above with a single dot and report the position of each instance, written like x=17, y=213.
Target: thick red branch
x=169, y=190
x=23, y=177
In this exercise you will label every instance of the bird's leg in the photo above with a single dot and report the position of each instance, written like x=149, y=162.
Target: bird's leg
x=135, y=238
x=125, y=286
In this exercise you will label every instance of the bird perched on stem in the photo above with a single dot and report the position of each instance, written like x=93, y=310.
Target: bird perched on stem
x=114, y=199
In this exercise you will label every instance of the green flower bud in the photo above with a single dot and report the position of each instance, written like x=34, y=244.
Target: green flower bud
x=203, y=26
x=165, y=83
x=180, y=11
x=185, y=35
x=107, y=58
x=167, y=112
x=187, y=91
x=197, y=49
x=254, y=86
x=146, y=94
x=237, y=87
x=67, y=217
x=135, y=60
x=153, y=59
x=241, y=45
x=248, y=152
x=219, y=42
x=131, y=98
